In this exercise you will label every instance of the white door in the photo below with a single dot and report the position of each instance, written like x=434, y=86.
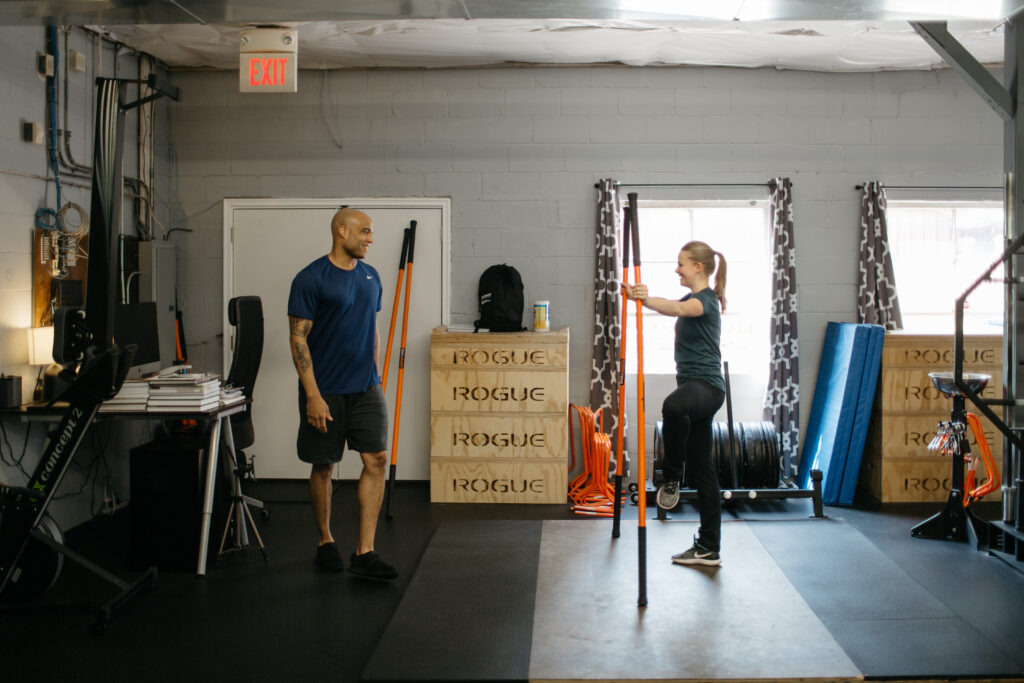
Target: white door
x=266, y=242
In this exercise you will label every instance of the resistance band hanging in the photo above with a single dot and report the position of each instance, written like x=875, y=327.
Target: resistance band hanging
x=410, y=233
x=951, y=439
x=972, y=493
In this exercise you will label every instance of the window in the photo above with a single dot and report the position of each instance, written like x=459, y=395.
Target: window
x=939, y=248
x=737, y=229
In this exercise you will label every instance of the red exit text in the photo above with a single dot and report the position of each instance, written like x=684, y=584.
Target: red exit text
x=267, y=71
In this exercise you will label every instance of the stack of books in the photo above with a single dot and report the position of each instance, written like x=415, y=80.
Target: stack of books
x=133, y=397
x=230, y=394
x=186, y=392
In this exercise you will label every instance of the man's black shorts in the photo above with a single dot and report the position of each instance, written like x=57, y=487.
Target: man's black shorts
x=360, y=420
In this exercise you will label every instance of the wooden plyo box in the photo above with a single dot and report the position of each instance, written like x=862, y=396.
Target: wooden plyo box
x=476, y=437
x=916, y=480
x=911, y=390
x=897, y=465
x=907, y=435
x=498, y=417
x=494, y=480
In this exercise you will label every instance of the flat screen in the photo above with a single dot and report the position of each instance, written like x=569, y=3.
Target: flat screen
x=136, y=324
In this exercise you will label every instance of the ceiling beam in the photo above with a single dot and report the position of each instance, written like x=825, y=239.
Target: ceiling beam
x=956, y=55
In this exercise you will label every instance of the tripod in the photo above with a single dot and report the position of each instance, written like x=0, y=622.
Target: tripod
x=239, y=516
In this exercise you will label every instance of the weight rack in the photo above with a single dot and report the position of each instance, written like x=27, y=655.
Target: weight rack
x=1003, y=538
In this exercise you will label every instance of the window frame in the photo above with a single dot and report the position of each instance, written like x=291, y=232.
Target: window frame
x=749, y=383
x=943, y=322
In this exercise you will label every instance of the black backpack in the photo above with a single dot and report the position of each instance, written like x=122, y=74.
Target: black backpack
x=501, y=300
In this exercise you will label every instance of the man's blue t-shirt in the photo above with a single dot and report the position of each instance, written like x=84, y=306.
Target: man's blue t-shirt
x=343, y=306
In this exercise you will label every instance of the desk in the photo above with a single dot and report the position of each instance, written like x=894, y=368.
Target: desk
x=217, y=421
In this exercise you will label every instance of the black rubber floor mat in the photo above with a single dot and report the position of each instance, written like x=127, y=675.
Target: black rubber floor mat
x=468, y=611
x=885, y=620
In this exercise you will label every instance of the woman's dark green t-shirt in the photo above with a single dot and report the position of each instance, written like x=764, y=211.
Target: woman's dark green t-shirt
x=698, y=342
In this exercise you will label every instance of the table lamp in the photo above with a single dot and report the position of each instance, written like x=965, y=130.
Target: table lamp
x=40, y=352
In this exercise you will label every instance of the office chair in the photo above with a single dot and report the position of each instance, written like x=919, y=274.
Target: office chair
x=246, y=314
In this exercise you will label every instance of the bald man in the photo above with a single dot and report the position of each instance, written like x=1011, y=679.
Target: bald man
x=332, y=321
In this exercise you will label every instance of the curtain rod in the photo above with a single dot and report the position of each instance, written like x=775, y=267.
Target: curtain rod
x=933, y=187
x=686, y=185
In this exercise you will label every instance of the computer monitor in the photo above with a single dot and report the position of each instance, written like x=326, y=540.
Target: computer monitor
x=136, y=324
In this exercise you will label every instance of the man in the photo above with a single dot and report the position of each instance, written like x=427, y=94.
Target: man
x=332, y=321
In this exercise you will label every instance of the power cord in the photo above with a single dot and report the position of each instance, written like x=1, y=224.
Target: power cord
x=11, y=460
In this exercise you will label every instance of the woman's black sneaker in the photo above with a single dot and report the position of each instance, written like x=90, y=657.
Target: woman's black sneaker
x=329, y=559
x=370, y=566
x=698, y=554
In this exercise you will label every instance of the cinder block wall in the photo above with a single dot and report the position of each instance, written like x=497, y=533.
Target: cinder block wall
x=519, y=150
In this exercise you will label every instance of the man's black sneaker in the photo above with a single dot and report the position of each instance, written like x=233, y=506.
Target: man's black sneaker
x=698, y=555
x=329, y=559
x=668, y=495
x=370, y=566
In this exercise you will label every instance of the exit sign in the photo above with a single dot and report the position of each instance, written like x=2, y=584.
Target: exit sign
x=268, y=61
x=267, y=72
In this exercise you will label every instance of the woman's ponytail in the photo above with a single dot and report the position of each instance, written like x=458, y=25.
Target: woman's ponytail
x=720, y=274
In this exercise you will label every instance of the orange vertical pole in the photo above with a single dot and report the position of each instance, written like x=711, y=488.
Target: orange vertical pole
x=394, y=309
x=641, y=455
x=401, y=373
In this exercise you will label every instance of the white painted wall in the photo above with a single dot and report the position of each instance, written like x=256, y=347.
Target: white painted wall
x=519, y=150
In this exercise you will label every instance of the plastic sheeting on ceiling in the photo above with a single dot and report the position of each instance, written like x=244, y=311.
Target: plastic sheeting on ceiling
x=840, y=46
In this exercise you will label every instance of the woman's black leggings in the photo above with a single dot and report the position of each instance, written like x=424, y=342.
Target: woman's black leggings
x=686, y=426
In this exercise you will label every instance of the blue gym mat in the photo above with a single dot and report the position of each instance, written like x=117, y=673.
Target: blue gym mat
x=843, y=395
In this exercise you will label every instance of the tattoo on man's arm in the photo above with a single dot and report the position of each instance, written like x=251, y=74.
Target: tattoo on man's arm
x=301, y=357
x=299, y=327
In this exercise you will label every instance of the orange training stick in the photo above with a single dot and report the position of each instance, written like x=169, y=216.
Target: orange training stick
x=401, y=350
x=394, y=309
x=401, y=372
x=641, y=468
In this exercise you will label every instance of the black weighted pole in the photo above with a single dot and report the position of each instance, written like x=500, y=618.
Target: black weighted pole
x=641, y=541
x=620, y=431
x=728, y=416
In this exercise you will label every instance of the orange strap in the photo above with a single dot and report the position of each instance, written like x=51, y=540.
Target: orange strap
x=991, y=473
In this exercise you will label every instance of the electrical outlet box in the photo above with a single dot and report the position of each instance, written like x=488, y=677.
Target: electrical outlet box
x=44, y=66
x=76, y=61
x=32, y=132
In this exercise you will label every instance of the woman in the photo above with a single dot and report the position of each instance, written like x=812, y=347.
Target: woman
x=700, y=391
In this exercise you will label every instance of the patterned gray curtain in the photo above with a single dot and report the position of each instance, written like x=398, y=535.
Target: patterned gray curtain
x=604, y=388
x=782, y=397
x=877, y=302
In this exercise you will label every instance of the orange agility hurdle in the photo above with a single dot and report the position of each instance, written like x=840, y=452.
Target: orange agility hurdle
x=590, y=492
